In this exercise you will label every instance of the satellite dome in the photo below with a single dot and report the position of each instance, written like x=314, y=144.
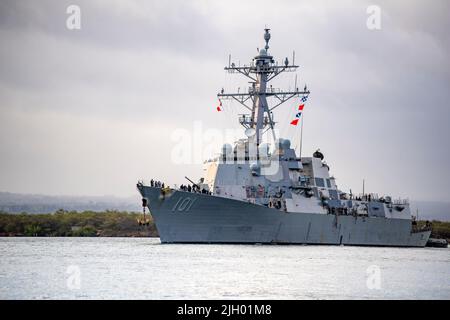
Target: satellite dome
x=250, y=132
x=263, y=52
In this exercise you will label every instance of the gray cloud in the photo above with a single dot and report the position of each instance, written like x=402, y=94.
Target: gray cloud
x=97, y=104
x=135, y=25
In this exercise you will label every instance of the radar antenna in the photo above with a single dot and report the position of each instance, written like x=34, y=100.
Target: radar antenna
x=261, y=71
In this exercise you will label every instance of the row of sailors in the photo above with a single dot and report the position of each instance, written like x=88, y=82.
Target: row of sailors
x=187, y=188
x=157, y=184
x=194, y=188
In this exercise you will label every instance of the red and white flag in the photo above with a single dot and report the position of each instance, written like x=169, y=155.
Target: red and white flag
x=298, y=115
x=219, y=107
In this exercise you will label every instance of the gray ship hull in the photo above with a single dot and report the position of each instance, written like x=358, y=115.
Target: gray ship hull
x=183, y=217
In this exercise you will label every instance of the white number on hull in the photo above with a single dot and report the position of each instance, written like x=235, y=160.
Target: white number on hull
x=183, y=204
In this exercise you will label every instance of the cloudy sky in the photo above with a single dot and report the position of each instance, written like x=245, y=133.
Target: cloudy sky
x=91, y=111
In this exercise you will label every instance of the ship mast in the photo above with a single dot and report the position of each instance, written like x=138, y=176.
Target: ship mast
x=261, y=71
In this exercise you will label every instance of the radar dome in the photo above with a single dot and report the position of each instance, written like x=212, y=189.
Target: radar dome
x=250, y=132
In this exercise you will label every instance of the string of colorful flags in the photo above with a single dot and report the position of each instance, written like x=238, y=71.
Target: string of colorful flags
x=297, y=116
x=300, y=109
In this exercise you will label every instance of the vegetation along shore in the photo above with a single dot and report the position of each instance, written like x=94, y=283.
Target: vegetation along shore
x=76, y=224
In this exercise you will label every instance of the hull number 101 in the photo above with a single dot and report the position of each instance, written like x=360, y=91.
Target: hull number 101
x=183, y=204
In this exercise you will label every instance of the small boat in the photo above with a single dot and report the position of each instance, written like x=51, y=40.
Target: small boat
x=437, y=243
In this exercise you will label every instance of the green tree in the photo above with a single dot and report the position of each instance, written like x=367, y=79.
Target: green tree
x=32, y=230
x=87, y=231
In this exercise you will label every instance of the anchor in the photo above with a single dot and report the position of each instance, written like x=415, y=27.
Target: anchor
x=145, y=221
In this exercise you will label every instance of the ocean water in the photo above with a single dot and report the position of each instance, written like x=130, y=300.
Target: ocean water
x=143, y=268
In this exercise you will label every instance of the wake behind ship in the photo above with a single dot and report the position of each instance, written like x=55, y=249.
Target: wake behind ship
x=252, y=193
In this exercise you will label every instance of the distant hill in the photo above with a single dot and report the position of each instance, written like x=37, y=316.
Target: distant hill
x=34, y=203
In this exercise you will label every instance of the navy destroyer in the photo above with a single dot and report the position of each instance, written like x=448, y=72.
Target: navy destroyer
x=255, y=193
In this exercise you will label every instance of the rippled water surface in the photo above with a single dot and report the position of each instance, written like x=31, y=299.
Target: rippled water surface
x=142, y=268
